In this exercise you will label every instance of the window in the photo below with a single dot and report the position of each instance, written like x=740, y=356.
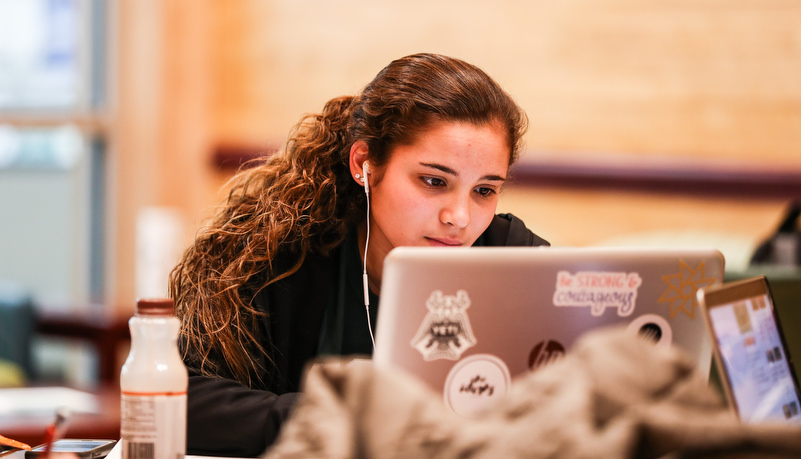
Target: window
x=52, y=149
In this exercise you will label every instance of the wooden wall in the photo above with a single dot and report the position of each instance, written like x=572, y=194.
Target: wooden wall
x=645, y=86
x=657, y=78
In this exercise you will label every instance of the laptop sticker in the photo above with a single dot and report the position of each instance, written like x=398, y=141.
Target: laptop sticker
x=544, y=353
x=680, y=293
x=445, y=332
x=475, y=382
x=597, y=290
x=654, y=327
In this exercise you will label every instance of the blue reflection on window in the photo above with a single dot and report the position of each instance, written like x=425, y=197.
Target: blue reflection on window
x=57, y=147
x=39, y=54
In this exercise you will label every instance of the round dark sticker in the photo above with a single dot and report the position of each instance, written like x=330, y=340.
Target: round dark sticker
x=544, y=353
x=653, y=327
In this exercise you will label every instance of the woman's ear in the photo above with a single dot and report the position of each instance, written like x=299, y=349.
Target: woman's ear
x=358, y=156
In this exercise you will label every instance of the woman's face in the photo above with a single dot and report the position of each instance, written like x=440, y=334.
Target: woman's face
x=441, y=190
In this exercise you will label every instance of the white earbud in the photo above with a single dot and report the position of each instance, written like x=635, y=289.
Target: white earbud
x=365, y=171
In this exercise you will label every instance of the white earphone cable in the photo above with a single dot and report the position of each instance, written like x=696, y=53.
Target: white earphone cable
x=364, y=264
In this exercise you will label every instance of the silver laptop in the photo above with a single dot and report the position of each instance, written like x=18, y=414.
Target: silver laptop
x=468, y=320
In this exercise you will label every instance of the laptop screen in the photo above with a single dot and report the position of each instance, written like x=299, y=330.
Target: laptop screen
x=755, y=361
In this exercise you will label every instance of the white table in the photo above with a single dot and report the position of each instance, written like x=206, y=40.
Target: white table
x=116, y=453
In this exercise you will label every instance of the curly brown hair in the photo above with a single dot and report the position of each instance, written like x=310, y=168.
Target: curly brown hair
x=303, y=199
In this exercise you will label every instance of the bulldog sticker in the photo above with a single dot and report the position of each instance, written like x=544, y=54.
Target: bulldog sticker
x=445, y=332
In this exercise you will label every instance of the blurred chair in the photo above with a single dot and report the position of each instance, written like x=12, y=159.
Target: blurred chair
x=106, y=331
x=21, y=323
x=17, y=326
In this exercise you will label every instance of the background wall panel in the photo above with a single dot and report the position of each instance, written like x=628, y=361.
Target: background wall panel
x=638, y=85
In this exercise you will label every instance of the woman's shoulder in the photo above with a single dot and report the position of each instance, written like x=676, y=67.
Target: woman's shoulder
x=508, y=230
x=313, y=268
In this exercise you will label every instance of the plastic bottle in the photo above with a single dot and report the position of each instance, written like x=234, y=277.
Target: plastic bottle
x=153, y=385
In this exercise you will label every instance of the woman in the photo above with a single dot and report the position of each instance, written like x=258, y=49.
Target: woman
x=276, y=279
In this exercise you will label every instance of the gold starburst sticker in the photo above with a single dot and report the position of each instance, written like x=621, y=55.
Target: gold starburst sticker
x=682, y=286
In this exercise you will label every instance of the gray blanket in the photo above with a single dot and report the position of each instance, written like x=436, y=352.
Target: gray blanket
x=613, y=396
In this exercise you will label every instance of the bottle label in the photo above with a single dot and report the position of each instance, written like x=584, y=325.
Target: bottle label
x=153, y=426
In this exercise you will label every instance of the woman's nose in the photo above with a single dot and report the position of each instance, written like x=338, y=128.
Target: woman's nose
x=456, y=212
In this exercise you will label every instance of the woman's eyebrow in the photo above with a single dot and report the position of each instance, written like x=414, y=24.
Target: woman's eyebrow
x=493, y=177
x=441, y=168
x=448, y=170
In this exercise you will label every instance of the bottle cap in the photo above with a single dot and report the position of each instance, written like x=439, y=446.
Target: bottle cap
x=155, y=307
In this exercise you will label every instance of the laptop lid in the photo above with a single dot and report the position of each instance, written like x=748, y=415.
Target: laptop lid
x=468, y=320
x=754, y=364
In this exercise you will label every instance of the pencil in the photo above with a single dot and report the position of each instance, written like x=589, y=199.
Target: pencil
x=13, y=443
x=55, y=430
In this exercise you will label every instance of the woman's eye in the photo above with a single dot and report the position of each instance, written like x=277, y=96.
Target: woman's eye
x=433, y=182
x=485, y=192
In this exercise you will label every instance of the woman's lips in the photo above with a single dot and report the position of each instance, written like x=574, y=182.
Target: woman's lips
x=444, y=242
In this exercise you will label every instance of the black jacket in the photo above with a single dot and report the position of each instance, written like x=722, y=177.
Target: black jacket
x=228, y=418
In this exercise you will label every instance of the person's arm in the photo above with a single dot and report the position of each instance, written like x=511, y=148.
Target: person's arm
x=226, y=418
